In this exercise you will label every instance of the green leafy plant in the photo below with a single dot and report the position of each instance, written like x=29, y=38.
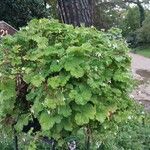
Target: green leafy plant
x=74, y=81
x=132, y=134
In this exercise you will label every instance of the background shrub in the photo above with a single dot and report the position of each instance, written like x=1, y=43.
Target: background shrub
x=143, y=34
x=18, y=12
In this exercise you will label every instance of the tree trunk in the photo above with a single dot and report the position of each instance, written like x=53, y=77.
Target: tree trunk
x=76, y=12
x=142, y=13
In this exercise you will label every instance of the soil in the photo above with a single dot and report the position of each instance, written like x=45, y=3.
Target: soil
x=141, y=71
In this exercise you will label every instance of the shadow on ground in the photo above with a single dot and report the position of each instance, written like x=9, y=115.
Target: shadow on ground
x=142, y=91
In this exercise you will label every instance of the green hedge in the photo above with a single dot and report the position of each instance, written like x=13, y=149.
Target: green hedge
x=73, y=80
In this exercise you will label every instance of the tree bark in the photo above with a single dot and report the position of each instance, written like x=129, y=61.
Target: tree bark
x=142, y=13
x=76, y=12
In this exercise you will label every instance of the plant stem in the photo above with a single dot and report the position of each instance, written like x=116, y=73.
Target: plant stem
x=15, y=140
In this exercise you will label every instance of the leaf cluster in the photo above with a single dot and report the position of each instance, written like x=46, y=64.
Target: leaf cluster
x=70, y=79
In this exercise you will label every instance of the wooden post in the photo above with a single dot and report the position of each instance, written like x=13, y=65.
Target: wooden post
x=5, y=29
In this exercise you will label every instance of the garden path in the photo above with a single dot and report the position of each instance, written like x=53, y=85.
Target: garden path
x=141, y=71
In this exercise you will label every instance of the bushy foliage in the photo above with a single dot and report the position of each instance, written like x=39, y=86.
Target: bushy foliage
x=75, y=81
x=133, y=134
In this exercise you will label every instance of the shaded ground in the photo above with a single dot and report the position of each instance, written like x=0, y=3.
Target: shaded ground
x=141, y=71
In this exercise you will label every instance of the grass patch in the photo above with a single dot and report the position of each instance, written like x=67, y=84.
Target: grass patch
x=144, y=51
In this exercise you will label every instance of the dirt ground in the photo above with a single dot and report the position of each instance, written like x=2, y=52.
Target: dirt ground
x=141, y=71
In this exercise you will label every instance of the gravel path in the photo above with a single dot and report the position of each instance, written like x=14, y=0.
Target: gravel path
x=140, y=62
x=141, y=71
